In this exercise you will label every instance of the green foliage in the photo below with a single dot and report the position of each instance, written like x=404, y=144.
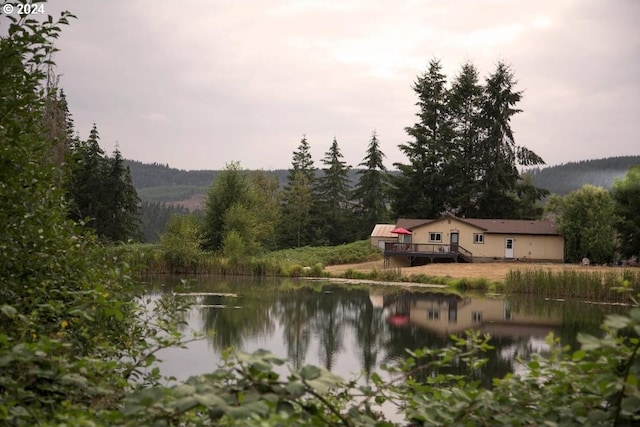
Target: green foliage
x=245, y=203
x=626, y=196
x=154, y=217
x=180, y=243
x=349, y=253
x=586, y=220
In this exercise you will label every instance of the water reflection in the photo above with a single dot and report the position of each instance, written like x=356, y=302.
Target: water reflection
x=353, y=330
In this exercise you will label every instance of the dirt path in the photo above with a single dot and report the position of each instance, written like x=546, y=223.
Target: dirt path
x=492, y=271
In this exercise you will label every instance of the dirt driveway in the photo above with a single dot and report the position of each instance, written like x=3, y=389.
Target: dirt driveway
x=494, y=271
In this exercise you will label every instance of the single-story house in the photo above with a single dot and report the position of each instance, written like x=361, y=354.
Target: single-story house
x=450, y=238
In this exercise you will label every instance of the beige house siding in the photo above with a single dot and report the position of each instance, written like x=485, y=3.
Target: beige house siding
x=525, y=246
x=472, y=314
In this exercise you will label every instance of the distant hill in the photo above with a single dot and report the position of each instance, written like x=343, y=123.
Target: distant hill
x=565, y=178
x=161, y=183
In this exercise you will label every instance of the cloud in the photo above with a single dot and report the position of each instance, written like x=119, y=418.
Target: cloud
x=198, y=84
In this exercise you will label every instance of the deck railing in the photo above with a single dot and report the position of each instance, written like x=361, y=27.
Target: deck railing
x=391, y=248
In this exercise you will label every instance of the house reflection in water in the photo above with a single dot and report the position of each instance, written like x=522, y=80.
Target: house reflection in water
x=446, y=314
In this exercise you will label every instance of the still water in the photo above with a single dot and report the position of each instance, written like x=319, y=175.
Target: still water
x=353, y=330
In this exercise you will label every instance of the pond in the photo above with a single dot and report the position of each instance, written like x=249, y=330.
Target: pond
x=353, y=330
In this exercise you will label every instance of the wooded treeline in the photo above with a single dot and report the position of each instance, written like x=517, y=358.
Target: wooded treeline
x=568, y=177
x=160, y=183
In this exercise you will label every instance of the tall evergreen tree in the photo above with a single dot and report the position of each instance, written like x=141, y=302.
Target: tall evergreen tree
x=372, y=189
x=303, y=162
x=465, y=103
x=500, y=155
x=333, y=194
x=101, y=192
x=88, y=168
x=421, y=187
x=122, y=216
x=297, y=201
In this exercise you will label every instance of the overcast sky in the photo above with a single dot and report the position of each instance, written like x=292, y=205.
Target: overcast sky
x=197, y=84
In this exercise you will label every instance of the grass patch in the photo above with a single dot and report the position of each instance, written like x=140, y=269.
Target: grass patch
x=590, y=285
x=349, y=253
x=307, y=261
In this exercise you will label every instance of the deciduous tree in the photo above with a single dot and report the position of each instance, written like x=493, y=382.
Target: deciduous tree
x=626, y=195
x=586, y=220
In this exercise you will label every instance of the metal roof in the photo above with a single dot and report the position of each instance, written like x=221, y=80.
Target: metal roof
x=383, y=230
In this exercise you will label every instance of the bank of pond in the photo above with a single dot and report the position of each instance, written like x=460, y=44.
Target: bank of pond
x=353, y=330
x=616, y=286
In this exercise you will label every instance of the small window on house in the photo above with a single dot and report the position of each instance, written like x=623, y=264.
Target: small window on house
x=433, y=314
x=476, y=316
x=478, y=238
x=435, y=237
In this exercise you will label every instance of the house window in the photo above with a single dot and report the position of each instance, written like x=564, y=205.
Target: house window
x=478, y=238
x=435, y=237
x=433, y=314
x=476, y=316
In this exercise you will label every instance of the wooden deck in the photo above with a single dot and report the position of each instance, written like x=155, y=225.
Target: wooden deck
x=431, y=252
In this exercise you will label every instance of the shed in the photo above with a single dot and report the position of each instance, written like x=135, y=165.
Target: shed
x=382, y=234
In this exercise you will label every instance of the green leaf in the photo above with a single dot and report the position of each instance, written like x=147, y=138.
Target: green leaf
x=589, y=342
x=8, y=311
x=210, y=400
x=579, y=355
x=617, y=321
x=295, y=388
x=309, y=372
x=630, y=404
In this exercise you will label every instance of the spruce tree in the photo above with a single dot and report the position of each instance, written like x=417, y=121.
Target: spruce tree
x=86, y=186
x=372, y=189
x=465, y=103
x=122, y=213
x=500, y=155
x=333, y=195
x=420, y=190
x=100, y=191
x=295, y=227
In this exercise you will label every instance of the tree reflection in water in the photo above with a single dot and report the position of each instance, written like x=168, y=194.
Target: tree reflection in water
x=353, y=330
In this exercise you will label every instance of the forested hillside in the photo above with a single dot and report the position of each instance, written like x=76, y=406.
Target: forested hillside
x=157, y=183
x=565, y=178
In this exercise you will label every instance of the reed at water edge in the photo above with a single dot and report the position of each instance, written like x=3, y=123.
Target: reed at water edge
x=615, y=287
